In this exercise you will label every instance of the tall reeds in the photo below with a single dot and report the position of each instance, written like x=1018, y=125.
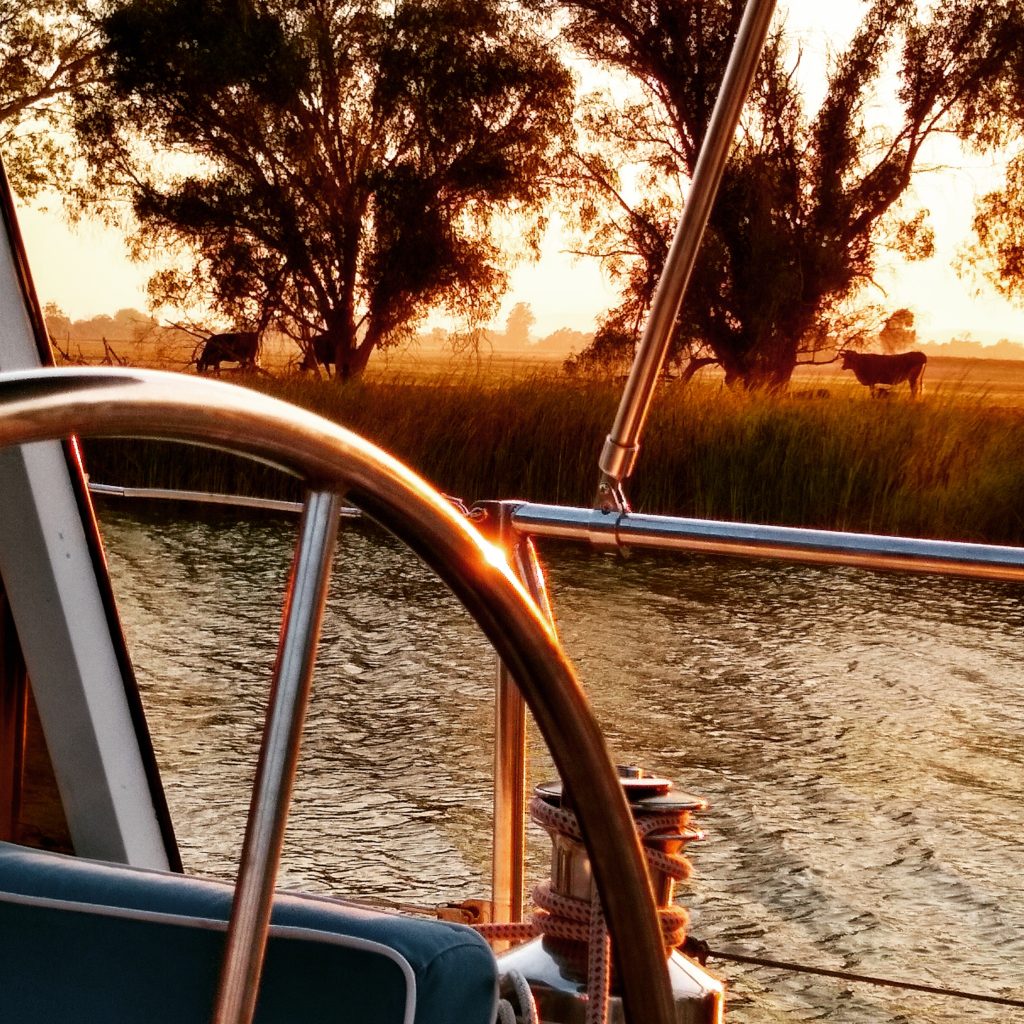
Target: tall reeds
x=944, y=467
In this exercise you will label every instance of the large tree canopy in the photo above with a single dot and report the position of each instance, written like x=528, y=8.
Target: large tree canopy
x=47, y=52
x=999, y=220
x=331, y=164
x=807, y=198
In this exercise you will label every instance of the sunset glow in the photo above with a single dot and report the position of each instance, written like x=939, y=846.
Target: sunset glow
x=86, y=271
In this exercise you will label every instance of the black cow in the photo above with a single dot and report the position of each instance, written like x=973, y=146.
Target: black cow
x=235, y=347
x=321, y=349
x=872, y=370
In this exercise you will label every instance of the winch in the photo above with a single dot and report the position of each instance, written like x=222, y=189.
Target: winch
x=567, y=967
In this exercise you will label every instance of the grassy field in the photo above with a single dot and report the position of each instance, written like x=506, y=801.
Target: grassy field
x=993, y=381
x=949, y=466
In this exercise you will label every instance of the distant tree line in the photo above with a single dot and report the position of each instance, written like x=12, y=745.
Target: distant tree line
x=346, y=167
x=131, y=327
x=124, y=325
x=968, y=348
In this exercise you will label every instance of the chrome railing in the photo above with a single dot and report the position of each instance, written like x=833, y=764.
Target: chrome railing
x=865, y=550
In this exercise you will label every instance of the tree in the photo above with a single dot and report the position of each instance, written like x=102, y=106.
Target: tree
x=806, y=199
x=564, y=340
x=999, y=221
x=517, y=327
x=48, y=52
x=898, y=332
x=999, y=227
x=608, y=354
x=346, y=157
x=58, y=323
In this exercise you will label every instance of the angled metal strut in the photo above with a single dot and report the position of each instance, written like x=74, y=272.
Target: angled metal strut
x=623, y=443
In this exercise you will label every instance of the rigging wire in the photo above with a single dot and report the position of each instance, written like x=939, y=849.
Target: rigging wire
x=701, y=951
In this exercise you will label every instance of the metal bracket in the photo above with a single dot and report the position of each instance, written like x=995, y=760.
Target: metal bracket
x=471, y=912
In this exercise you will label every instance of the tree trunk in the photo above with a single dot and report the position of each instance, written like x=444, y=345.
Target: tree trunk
x=356, y=357
x=350, y=354
x=693, y=366
x=358, y=352
x=761, y=365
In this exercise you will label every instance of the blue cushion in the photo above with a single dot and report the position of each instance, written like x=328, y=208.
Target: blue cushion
x=84, y=941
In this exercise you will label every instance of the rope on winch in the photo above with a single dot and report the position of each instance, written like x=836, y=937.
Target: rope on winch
x=524, y=997
x=580, y=920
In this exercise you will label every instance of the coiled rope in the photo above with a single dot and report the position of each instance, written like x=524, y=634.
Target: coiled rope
x=573, y=919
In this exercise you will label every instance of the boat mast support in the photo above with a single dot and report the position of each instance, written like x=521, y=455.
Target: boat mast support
x=623, y=443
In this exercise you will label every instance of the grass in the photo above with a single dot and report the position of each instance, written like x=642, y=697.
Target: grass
x=951, y=466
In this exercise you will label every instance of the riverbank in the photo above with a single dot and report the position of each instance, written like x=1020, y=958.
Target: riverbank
x=951, y=466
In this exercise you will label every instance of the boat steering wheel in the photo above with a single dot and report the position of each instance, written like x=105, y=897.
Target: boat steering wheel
x=333, y=462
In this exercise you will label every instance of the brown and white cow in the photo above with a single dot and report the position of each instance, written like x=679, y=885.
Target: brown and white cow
x=872, y=370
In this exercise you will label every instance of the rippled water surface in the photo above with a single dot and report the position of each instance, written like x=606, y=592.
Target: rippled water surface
x=860, y=737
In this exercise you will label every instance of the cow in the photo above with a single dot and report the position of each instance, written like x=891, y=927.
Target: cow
x=235, y=347
x=872, y=370
x=320, y=350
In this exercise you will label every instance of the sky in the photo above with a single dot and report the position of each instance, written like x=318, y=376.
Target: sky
x=86, y=271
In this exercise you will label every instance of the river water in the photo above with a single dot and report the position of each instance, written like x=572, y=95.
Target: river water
x=860, y=738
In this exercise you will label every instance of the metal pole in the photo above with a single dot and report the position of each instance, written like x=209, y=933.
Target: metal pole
x=794, y=544
x=508, y=848
x=622, y=444
x=279, y=753
x=508, y=851
x=207, y=498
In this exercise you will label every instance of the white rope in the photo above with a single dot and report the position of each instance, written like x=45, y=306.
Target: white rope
x=581, y=920
x=559, y=915
x=527, y=1004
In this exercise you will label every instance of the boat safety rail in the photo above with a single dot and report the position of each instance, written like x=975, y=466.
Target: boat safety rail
x=518, y=524
x=44, y=405
x=821, y=547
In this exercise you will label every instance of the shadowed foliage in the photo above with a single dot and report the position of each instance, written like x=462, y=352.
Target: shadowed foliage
x=330, y=166
x=808, y=196
x=48, y=51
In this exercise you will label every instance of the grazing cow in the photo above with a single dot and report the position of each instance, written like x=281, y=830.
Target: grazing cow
x=236, y=347
x=872, y=370
x=320, y=350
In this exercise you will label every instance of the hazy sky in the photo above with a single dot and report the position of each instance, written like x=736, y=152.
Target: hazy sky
x=86, y=271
